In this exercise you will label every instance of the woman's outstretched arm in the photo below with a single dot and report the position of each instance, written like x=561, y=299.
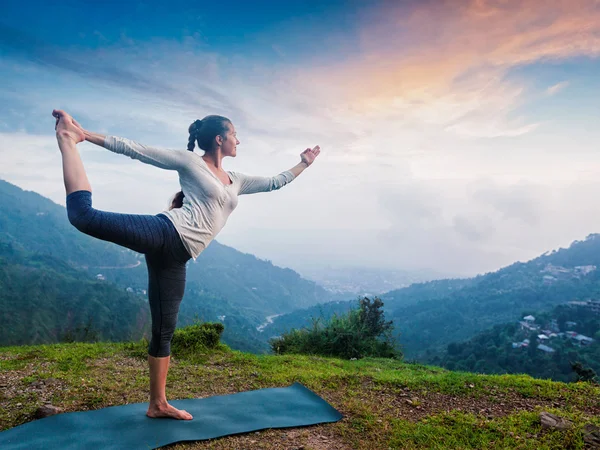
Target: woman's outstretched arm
x=163, y=158
x=254, y=184
x=94, y=138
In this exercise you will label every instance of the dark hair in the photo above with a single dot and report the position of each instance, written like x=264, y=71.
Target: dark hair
x=204, y=133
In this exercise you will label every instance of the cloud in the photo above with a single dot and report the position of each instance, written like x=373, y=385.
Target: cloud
x=480, y=227
x=554, y=89
x=109, y=67
x=518, y=201
x=405, y=179
x=472, y=231
x=449, y=63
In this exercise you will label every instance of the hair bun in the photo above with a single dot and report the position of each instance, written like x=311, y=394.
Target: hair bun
x=195, y=127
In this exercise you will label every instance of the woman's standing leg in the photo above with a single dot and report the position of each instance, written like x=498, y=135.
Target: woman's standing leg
x=166, y=285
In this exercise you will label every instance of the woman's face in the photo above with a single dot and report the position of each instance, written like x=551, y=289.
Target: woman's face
x=230, y=143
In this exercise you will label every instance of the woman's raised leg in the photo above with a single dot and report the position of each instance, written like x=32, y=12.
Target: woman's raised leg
x=68, y=136
x=140, y=233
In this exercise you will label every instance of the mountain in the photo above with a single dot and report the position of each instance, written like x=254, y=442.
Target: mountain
x=428, y=316
x=540, y=284
x=561, y=334
x=223, y=284
x=44, y=300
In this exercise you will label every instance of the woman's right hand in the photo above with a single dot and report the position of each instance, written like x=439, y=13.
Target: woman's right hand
x=308, y=156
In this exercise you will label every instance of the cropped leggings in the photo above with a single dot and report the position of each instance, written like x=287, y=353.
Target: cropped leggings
x=166, y=258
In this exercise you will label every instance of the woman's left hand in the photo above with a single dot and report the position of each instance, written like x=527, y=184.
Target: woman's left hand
x=308, y=156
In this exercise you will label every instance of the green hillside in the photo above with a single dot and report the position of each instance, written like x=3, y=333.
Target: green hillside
x=498, y=297
x=44, y=300
x=513, y=348
x=429, y=316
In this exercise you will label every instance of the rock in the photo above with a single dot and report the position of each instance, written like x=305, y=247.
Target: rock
x=47, y=410
x=591, y=435
x=551, y=421
x=413, y=401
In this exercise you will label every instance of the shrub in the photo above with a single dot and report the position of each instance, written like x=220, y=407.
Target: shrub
x=196, y=338
x=359, y=333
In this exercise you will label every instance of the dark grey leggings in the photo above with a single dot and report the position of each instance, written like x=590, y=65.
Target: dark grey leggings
x=166, y=258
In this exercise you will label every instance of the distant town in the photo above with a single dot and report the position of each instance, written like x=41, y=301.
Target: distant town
x=550, y=331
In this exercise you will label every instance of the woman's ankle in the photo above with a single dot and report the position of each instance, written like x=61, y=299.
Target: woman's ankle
x=158, y=403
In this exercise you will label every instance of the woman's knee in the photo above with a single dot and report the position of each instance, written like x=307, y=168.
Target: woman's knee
x=160, y=345
x=79, y=205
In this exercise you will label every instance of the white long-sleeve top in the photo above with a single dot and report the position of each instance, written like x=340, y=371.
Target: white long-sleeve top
x=208, y=202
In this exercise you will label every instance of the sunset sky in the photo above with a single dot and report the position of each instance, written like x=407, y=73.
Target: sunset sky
x=458, y=136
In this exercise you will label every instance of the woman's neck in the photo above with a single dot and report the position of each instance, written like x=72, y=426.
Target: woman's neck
x=213, y=159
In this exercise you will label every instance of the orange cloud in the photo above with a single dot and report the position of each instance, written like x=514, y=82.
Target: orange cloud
x=446, y=61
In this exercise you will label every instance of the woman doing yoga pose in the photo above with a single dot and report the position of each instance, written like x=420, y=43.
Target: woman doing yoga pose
x=168, y=240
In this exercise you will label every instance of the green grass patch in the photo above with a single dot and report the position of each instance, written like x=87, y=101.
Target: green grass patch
x=92, y=376
x=466, y=431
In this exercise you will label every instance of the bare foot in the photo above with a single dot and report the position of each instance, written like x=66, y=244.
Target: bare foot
x=66, y=127
x=156, y=411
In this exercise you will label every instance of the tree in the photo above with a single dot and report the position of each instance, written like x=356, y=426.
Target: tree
x=371, y=317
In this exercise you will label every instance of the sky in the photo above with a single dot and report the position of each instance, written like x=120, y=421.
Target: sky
x=456, y=136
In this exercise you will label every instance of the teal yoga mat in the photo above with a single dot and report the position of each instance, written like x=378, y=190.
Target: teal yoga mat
x=127, y=427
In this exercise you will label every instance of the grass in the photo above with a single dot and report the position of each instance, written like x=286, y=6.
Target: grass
x=459, y=430
x=386, y=403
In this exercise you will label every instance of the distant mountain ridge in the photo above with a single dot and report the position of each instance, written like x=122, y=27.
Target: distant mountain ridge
x=430, y=315
x=353, y=281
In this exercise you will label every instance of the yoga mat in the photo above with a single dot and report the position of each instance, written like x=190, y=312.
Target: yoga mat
x=127, y=427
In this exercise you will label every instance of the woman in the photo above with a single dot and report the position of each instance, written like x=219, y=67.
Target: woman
x=169, y=239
